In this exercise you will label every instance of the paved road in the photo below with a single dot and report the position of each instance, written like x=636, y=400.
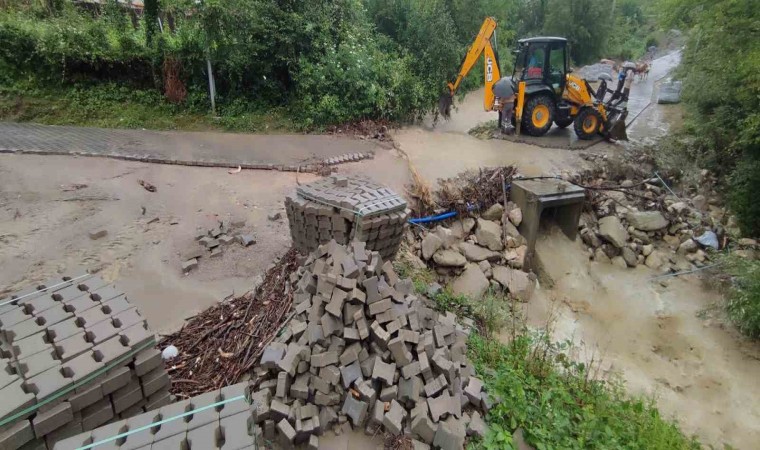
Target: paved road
x=252, y=151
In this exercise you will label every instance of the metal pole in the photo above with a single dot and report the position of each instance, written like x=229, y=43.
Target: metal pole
x=211, y=85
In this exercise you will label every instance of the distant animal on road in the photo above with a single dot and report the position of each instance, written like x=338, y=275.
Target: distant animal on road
x=642, y=70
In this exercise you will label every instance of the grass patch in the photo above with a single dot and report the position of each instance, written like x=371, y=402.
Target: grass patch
x=743, y=306
x=559, y=404
x=113, y=106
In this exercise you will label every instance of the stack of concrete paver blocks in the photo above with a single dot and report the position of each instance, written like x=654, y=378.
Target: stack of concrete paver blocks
x=74, y=354
x=228, y=425
x=363, y=352
x=345, y=209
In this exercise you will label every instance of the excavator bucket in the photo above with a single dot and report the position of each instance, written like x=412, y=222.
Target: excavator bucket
x=615, y=127
x=444, y=105
x=617, y=131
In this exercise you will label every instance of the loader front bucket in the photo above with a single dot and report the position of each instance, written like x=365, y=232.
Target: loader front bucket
x=615, y=127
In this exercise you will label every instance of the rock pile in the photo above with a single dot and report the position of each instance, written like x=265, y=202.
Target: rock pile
x=643, y=223
x=74, y=354
x=211, y=242
x=478, y=253
x=345, y=209
x=363, y=352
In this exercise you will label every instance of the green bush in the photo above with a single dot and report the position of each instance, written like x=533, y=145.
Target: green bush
x=721, y=85
x=559, y=404
x=743, y=305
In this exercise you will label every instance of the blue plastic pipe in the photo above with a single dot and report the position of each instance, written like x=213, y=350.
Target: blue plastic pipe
x=437, y=218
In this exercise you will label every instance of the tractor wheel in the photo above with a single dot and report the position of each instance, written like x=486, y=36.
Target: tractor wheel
x=587, y=124
x=538, y=115
x=564, y=123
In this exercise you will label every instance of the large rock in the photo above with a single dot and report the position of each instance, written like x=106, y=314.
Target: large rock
x=590, y=238
x=489, y=234
x=517, y=282
x=629, y=256
x=613, y=231
x=446, y=236
x=449, y=258
x=655, y=260
x=516, y=257
x=510, y=230
x=494, y=212
x=476, y=253
x=647, y=220
x=687, y=246
x=515, y=216
x=462, y=228
x=472, y=283
x=430, y=244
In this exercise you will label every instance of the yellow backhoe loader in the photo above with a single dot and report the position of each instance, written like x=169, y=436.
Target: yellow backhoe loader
x=542, y=89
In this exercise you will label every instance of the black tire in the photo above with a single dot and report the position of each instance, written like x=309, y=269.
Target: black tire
x=564, y=123
x=539, y=124
x=587, y=124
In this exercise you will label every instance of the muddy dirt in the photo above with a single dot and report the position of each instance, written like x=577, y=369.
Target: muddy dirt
x=659, y=339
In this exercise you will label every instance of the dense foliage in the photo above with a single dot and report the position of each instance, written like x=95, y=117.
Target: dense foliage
x=321, y=61
x=558, y=403
x=721, y=88
x=744, y=294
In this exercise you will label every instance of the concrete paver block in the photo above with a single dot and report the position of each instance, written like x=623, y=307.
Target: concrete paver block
x=101, y=332
x=237, y=431
x=17, y=435
x=111, y=350
x=286, y=430
x=74, y=442
x=108, y=431
x=52, y=419
x=38, y=363
x=126, y=396
x=97, y=414
x=22, y=329
x=47, y=383
x=143, y=438
x=128, y=318
x=53, y=315
x=80, y=367
x=72, y=346
x=174, y=427
x=63, y=330
x=206, y=416
x=350, y=374
x=117, y=378
x=237, y=406
x=174, y=442
x=207, y=436
x=153, y=381
x=384, y=371
x=394, y=418
x=356, y=410
x=86, y=398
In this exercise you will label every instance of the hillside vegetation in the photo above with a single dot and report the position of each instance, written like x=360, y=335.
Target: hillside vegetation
x=286, y=64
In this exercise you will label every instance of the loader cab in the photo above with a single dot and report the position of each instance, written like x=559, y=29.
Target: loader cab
x=542, y=62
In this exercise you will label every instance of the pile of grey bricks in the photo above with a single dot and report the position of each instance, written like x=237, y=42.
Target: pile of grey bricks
x=345, y=209
x=74, y=355
x=212, y=240
x=228, y=425
x=363, y=352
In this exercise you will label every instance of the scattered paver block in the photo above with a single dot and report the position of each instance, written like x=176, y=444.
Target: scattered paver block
x=190, y=264
x=350, y=374
x=394, y=418
x=98, y=233
x=384, y=371
x=356, y=410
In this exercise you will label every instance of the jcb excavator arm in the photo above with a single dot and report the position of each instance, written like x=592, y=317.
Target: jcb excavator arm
x=482, y=44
